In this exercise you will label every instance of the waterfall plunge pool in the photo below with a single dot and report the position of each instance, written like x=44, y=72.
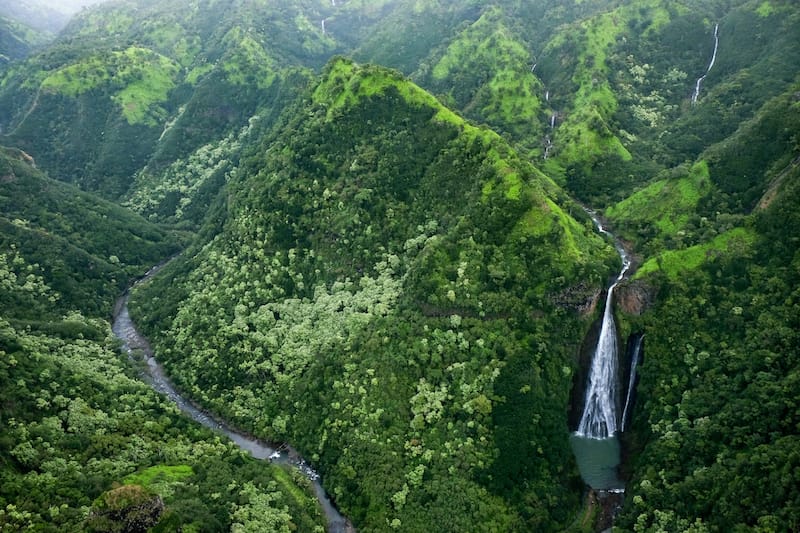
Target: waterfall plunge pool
x=595, y=444
x=598, y=460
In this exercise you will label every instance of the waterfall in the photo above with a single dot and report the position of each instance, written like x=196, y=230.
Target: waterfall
x=323, y=26
x=600, y=417
x=710, y=65
x=552, y=121
x=547, y=96
x=637, y=350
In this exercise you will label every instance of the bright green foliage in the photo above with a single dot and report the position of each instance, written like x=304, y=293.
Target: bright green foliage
x=174, y=192
x=676, y=262
x=585, y=132
x=765, y=9
x=160, y=473
x=142, y=80
x=664, y=207
x=510, y=96
x=346, y=83
x=358, y=299
x=246, y=61
x=260, y=512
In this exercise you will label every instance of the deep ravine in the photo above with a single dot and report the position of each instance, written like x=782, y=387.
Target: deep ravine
x=136, y=345
x=595, y=443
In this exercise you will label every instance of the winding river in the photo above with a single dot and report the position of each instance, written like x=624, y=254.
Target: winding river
x=154, y=375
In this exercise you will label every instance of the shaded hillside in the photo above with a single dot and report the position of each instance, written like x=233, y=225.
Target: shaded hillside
x=16, y=40
x=86, y=445
x=382, y=294
x=83, y=248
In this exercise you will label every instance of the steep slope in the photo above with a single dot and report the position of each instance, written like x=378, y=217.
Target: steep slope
x=16, y=40
x=85, y=444
x=83, y=248
x=382, y=293
x=161, y=81
x=416, y=269
x=37, y=15
x=725, y=255
x=633, y=70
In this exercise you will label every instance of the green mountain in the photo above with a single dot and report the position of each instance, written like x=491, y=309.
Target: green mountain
x=381, y=293
x=85, y=250
x=16, y=40
x=389, y=270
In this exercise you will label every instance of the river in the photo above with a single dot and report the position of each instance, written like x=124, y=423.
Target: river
x=153, y=374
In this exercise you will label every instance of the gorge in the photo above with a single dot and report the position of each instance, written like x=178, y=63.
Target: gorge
x=138, y=349
x=596, y=441
x=386, y=264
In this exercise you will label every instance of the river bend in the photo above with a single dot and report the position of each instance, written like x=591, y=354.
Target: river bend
x=153, y=374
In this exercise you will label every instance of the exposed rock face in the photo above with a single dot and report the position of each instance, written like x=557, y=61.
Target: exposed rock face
x=634, y=297
x=581, y=298
x=579, y=379
x=27, y=158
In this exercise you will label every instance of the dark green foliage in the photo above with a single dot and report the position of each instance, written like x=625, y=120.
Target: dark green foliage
x=763, y=147
x=85, y=249
x=719, y=408
x=368, y=297
x=75, y=425
x=394, y=290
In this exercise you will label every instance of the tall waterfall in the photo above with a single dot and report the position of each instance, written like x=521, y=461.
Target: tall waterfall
x=710, y=64
x=600, y=417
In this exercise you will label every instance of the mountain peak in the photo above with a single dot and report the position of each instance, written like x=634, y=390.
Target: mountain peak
x=345, y=83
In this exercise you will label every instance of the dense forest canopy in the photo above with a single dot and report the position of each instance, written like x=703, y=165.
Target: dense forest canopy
x=386, y=261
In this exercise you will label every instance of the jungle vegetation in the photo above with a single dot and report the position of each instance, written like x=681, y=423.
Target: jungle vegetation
x=386, y=261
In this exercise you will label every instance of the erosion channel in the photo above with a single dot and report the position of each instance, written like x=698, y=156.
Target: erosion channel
x=595, y=443
x=133, y=343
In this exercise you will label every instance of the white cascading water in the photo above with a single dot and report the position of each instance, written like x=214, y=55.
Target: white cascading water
x=710, y=64
x=637, y=350
x=600, y=418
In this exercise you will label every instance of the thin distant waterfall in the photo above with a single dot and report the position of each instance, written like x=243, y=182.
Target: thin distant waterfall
x=635, y=356
x=600, y=417
x=710, y=65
